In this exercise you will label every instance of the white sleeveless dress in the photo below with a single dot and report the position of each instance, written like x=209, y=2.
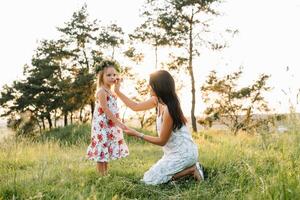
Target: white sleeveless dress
x=180, y=152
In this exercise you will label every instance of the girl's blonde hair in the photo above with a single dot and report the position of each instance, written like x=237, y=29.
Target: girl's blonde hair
x=100, y=78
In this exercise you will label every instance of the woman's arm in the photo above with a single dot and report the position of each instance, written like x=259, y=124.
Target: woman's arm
x=101, y=95
x=145, y=105
x=165, y=132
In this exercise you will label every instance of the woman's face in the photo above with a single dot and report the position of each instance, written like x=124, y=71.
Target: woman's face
x=152, y=93
x=110, y=75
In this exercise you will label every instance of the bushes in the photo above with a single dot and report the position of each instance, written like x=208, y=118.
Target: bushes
x=69, y=135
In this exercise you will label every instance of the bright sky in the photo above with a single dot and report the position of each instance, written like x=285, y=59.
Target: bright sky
x=268, y=41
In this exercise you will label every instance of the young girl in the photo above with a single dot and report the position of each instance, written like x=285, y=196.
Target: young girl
x=180, y=152
x=107, y=138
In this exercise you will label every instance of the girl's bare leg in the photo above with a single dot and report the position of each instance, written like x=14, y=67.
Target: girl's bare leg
x=105, y=168
x=188, y=171
x=101, y=168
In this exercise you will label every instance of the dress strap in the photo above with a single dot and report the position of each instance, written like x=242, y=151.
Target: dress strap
x=160, y=113
x=107, y=91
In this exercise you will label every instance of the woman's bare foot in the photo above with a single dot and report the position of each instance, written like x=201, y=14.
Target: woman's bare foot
x=198, y=172
x=195, y=171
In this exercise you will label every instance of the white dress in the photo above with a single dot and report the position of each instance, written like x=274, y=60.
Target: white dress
x=180, y=152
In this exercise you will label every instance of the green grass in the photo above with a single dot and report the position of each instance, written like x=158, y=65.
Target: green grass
x=53, y=166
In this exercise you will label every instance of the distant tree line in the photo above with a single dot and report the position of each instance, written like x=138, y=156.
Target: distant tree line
x=238, y=108
x=60, y=81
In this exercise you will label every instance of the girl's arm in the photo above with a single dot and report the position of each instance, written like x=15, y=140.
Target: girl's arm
x=145, y=105
x=101, y=95
x=165, y=131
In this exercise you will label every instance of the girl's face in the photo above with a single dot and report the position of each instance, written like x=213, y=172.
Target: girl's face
x=110, y=75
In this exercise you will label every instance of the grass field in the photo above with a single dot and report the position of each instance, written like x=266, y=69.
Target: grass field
x=53, y=166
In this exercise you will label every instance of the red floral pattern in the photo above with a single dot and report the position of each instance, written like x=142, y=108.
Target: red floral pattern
x=107, y=138
x=110, y=123
x=100, y=111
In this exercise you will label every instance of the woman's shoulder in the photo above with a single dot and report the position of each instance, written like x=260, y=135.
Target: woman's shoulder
x=165, y=111
x=155, y=100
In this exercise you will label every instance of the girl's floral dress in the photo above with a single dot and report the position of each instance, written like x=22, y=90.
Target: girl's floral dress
x=107, y=141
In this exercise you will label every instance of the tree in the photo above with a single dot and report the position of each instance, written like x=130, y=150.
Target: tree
x=134, y=56
x=81, y=35
x=87, y=42
x=232, y=106
x=53, y=57
x=7, y=99
x=110, y=36
x=61, y=77
x=16, y=107
x=150, y=32
x=43, y=91
x=184, y=23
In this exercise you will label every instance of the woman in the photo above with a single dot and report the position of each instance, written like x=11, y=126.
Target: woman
x=180, y=152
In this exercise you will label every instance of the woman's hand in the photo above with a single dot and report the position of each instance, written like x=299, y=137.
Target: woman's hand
x=123, y=126
x=131, y=132
x=117, y=84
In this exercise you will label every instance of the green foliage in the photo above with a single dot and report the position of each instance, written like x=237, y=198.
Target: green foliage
x=149, y=32
x=80, y=29
x=184, y=25
x=131, y=53
x=81, y=34
x=232, y=106
x=110, y=36
x=238, y=167
x=60, y=82
x=65, y=136
x=107, y=63
x=40, y=93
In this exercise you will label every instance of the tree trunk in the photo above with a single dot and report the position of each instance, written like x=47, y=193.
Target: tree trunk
x=142, y=121
x=55, y=120
x=190, y=69
x=156, y=57
x=43, y=123
x=86, y=61
x=92, y=108
x=71, y=117
x=66, y=119
x=40, y=127
x=48, y=117
x=80, y=114
x=113, y=53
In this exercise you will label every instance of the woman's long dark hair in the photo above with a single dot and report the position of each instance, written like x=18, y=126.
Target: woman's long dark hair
x=163, y=85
